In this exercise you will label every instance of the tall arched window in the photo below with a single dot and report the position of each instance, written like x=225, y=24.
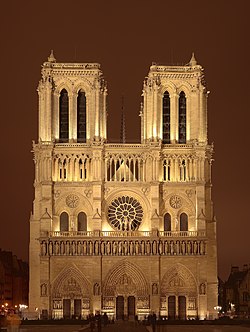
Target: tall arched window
x=64, y=222
x=81, y=117
x=64, y=116
x=182, y=117
x=82, y=222
x=166, y=118
x=167, y=222
x=183, y=222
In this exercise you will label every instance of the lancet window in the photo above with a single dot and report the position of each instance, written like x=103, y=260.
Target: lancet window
x=166, y=169
x=166, y=118
x=64, y=222
x=167, y=222
x=183, y=222
x=81, y=117
x=125, y=168
x=63, y=116
x=73, y=167
x=82, y=222
x=182, y=118
x=183, y=170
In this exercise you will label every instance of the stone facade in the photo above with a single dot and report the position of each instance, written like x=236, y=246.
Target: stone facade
x=125, y=229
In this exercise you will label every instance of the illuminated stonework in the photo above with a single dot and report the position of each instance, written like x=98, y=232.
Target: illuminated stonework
x=125, y=213
x=125, y=229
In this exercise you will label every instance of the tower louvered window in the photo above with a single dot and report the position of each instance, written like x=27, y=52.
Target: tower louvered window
x=166, y=118
x=81, y=117
x=64, y=116
x=182, y=118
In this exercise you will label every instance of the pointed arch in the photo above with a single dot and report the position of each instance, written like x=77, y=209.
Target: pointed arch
x=166, y=118
x=131, y=274
x=63, y=116
x=81, y=116
x=178, y=279
x=182, y=118
x=70, y=281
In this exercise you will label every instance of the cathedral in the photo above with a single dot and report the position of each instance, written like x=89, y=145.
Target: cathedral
x=117, y=228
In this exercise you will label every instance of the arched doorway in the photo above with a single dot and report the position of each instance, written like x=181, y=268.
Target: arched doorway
x=125, y=291
x=70, y=295
x=178, y=293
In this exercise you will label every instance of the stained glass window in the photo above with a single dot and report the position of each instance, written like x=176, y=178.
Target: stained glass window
x=125, y=213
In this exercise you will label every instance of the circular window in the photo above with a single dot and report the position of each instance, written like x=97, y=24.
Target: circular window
x=125, y=213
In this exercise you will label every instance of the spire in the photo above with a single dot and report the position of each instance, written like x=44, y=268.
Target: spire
x=123, y=130
x=51, y=58
x=193, y=61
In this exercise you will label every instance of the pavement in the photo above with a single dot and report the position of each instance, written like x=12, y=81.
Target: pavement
x=120, y=326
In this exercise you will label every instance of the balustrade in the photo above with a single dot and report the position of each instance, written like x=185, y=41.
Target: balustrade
x=126, y=234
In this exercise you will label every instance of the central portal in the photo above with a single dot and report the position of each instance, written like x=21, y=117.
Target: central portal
x=125, y=308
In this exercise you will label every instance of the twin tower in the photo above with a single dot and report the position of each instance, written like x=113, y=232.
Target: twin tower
x=125, y=229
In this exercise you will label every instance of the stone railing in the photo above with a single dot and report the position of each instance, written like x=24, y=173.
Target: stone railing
x=113, y=234
x=182, y=234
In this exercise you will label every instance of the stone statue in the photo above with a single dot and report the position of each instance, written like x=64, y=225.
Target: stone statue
x=154, y=289
x=137, y=249
x=142, y=247
x=44, y=290
x=183, y=248
x=96, y=248
x=114, y=247
x=96, y=289
x=62, y=248
x=131, y=248
x=202, y=289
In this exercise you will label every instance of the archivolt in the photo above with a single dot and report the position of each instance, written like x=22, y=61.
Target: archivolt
x=129, y=269
x=178, y=277
x=70, y=273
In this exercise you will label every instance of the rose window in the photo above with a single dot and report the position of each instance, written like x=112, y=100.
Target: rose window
x=125, y=213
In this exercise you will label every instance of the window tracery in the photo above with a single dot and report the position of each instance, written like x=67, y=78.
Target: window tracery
x=125, y=213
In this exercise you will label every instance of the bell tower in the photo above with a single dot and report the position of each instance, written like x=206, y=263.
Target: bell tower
x=72, y=102
x=175, y=104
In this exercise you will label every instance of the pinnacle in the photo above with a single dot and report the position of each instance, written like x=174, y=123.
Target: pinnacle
x=51, y=58
x=193, y=61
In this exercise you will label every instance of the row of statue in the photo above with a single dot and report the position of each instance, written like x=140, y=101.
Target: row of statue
x=123, y=248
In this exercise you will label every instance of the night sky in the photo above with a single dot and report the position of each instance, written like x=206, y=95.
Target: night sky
x=125, y=37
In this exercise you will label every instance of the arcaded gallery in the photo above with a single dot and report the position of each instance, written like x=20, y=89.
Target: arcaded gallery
x=126, y=229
